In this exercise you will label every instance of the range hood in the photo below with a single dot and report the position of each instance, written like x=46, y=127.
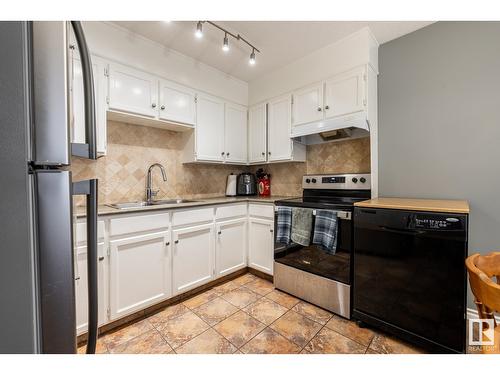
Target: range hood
x=354, y=125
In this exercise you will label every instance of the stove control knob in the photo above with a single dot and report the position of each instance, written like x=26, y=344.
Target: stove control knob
x=308, y=180
x=354, y=179
x=362, y=180
x=313, y=180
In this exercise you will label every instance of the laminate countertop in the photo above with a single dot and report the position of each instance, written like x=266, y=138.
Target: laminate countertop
x=432, y=205
x=107, y=210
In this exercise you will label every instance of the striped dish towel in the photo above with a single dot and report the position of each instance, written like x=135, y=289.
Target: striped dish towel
x=325, y=230
x=284, y=225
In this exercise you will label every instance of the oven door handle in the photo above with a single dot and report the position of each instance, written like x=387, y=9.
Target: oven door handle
x=344, y=215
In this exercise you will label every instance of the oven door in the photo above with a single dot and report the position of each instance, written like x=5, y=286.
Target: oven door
x=314, y=260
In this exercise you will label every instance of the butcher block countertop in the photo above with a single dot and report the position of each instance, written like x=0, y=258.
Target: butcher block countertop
x=432, y=205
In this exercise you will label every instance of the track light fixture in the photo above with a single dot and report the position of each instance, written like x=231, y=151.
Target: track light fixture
x=225, y=42
x=199, y=30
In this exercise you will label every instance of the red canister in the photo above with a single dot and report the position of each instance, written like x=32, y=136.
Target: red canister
x=264, y=184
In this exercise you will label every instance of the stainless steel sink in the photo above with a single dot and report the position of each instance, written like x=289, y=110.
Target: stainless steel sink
x=132, y=205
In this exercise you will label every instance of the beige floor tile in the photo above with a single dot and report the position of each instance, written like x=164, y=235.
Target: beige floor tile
x=100, y=348
x=215, y=311
x=200, y=299
x=226, y=287
x=179, y=330
x=305, y=351
x=241, y=297
x=371, y=351
x=265, y=310
x=331, y=342
x=260, y=286
x=312, y=312
x=239, y=328
x=283, y=298
x=150, y=342
x=270, y=342
x=244, y=279
x=296, y=327
x=123, y=335
x=209, y=342
x=390, y=345
x=168, y=313
x=351, y=330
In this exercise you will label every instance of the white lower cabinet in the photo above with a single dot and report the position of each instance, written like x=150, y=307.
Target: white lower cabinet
x=193, y=257
x=140, y=272
x=261, y=244
x=81, y=294
x=230, y=247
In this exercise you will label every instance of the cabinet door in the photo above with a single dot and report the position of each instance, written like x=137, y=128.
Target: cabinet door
x=193, y=257
x=261, y=245
x=140, y=272
x=235, y=133
x=177, y=103
x=209, y=128
x=132, y=91
x=81, y=295
x=257, y=129
x=78, y=111
x=231, y=246
x=345, y=93
x=279, y=128
x=307, y=104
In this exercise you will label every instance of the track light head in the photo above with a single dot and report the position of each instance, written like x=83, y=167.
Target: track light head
x=199, y=30
x=252, y=58
x=225, y=44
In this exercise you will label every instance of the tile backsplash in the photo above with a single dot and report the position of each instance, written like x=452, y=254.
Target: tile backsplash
x=132, y=149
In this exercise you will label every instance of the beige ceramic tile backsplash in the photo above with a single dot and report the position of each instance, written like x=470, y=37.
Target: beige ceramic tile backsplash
x=132, y=149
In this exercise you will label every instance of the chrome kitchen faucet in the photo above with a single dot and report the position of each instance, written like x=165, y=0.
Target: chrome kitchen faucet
x=150, y=193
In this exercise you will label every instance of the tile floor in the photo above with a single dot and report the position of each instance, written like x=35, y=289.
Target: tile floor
x=247, y=315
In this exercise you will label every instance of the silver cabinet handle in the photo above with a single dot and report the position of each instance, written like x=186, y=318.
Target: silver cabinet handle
x=101, y=259
x=153, y=105
x=162, y=107
x=327, y=107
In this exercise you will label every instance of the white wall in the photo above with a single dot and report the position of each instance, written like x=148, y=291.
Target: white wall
x=356, y=49
x=118, y=44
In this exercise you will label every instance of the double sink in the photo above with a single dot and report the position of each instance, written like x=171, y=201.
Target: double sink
x=131, y=205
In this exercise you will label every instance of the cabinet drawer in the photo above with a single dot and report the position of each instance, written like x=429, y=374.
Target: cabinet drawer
x=230, y=211
x=134, y=224
x=261, y=210
x=81, y=232
x=188, y=217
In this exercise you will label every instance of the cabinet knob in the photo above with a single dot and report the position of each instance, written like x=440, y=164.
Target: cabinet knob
x=263, y=153
x=228, y=154
x=77, y=278
x=271, y=230
x=167, y=243
x=319, y=109
x=222, y=153
x=327, y=107
x=162, y=107
x=153, y=105
x=219, y=232
x=269, y=152
x=101, y=259
x=176, y=241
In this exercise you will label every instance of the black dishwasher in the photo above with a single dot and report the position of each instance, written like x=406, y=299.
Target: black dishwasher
x=409, y=275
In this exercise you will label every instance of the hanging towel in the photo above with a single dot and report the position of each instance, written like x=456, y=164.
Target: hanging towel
x=325, y=230
x=284, y=225
x=301, y=225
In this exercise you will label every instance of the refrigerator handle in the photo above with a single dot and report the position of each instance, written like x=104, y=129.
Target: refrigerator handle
x=86, y=150
x=89, y=188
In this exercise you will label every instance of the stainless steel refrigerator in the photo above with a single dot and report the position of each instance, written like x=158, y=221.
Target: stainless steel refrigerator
x=37, y=293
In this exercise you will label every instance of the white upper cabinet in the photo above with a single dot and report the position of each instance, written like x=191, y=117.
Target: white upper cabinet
x=345, y=93
x=209, y=128
x=177, y=103
x=132, y=91
x=280, y=146
x=257, y=128
x=235, y=134
x=99, y=67
x=307, y=104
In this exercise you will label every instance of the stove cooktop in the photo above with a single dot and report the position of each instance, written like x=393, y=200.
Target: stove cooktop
x=340, y=203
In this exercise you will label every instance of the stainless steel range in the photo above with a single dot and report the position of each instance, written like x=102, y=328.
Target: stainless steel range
x=309, y=272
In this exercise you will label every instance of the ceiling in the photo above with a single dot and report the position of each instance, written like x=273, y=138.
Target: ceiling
x=280, y=42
